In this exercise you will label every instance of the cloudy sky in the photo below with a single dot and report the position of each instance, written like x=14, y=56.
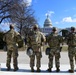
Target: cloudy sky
x=62, y=12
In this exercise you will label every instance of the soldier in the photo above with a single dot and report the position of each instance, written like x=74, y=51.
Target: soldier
x=11, y=39
x=35, y=40
x=71, y=41
x=54, y=41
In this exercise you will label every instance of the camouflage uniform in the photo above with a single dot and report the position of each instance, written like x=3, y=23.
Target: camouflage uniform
x=54, y=41
x=36, y=46
x=11, y=39
x=71, y=41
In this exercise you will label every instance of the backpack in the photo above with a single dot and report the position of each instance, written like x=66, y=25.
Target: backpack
x=35, y=38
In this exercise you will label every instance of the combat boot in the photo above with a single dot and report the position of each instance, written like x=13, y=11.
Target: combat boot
x=38, y=70
x=32, y=69
x=49, y=70
x=57, y=70
x=71, y=71
x=15, y=69
x=8, y=68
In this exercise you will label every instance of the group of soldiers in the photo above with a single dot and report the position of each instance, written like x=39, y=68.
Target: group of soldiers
x=35, y=40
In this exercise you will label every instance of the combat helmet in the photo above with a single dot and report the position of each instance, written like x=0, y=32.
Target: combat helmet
x=54, y=29
x=11, y=26
x=35, y=27
x=72, y=28
x=29, y=51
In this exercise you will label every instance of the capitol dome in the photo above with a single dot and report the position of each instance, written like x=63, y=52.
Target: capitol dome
x=47, y=22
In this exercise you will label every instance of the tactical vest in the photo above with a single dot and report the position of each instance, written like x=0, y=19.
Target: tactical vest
x=72, y=39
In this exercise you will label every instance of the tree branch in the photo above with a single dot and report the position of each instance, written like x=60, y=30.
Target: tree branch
x=4, y=17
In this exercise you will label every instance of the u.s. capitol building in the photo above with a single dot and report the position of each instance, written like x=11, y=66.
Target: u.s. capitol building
x=47, y=29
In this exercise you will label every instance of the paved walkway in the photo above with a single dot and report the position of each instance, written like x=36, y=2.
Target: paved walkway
x=24, y=59
x=24, y=68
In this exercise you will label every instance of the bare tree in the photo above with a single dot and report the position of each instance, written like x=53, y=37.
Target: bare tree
x=16, y=12
x=5, y=7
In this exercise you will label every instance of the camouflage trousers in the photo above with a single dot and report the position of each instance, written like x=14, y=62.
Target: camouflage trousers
x=10, y=54
x=36, y=55
x=72, y=56
x=56, y=53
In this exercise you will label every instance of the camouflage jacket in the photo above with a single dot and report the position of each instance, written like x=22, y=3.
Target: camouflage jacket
x=71, y=39
x=11, y=38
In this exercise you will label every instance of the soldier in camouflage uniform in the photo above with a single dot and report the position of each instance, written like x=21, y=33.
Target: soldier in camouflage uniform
x=11, y=39
x=54, y=41
x=71, y=41
x=35, y=40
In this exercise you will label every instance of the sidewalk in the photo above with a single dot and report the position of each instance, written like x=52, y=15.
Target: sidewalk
x=24, y=69
x=23, y=58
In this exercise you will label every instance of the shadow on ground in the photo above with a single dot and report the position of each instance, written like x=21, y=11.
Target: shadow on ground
x=29, y=71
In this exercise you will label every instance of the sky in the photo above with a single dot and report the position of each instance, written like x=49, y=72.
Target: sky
x=61, y=12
